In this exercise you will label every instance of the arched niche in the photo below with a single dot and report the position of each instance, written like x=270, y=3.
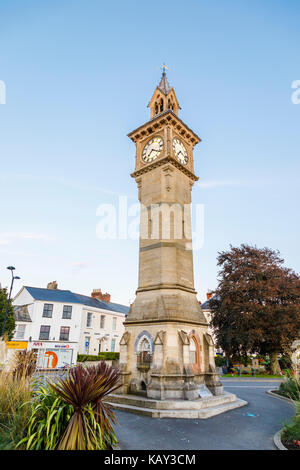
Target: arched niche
x=144, y=348
x=194, y=351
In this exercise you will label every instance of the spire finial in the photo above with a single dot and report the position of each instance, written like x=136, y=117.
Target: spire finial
x=164, y=68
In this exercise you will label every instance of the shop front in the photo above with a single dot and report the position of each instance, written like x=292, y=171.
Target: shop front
x=51, y=355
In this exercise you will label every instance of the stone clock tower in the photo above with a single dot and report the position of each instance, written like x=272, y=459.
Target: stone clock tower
x=166, y=352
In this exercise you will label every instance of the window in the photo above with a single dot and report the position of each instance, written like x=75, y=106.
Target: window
x=20, y=332
x=113, y=344
x=67, y=312
x=89, y=320
x=48, y=309
x=114, y=323
x=64, y=333
x=102, y=321
x=44, y=332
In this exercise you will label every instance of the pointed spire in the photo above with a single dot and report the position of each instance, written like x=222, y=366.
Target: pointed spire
x=164, y=84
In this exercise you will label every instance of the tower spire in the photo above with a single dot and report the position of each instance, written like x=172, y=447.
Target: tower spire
x=164, y=84
x=163, y=98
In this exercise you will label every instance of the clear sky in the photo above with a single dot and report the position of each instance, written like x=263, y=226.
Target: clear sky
x=79, y=75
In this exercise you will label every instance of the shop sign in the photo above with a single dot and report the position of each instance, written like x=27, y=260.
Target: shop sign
x=16, y=344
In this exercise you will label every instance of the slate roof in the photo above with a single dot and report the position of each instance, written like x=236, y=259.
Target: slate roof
x=205, y=306
x=164, y=84
x=68, y=297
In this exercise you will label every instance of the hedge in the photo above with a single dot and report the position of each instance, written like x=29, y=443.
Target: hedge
x=103, y=356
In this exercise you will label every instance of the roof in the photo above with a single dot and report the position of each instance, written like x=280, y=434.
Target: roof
x=68, y=297
x=21, y=313
x=206, y=304
x=164, y=84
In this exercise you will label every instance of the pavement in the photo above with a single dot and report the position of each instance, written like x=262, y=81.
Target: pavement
x=251, y=427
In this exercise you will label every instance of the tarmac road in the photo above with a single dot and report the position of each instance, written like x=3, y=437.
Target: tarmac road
x=251, y=427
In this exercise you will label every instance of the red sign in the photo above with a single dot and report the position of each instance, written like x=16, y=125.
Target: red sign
x=51, y=360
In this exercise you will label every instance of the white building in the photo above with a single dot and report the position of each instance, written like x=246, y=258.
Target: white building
x=59, y=324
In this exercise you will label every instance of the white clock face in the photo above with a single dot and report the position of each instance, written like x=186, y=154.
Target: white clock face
x=180, y=151
x=152, y=149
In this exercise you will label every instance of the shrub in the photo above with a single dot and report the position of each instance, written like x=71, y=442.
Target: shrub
x=71, y=414
x=86, y=357
x=220, y=361
x=291, y=431
x=48, y=421
x=290, y=388
x=15, y=409
x=104, y=356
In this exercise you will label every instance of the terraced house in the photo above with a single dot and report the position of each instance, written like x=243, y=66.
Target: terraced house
x=60, y=324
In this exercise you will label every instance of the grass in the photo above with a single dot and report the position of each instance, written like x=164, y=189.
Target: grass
x=15, y=409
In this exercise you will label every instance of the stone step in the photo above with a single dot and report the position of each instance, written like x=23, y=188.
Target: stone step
x=203, y=413
x=142, y=402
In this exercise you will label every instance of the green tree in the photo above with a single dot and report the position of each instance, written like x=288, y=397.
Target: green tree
x=10, y=320
x=256, y=307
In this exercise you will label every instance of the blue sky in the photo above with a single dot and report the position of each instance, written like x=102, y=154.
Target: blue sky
x=79, y=75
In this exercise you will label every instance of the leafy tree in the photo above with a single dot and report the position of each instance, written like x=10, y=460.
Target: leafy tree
x=256, y=307
x=10, y=320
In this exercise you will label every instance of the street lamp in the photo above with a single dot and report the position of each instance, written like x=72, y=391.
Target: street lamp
x=11, y=268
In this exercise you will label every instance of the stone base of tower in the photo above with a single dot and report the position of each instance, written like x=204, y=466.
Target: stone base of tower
x=167, y=359
x=201, y=408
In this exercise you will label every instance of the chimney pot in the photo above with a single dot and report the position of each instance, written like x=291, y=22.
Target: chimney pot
x=52, y=285
x=97, y=294
x=209, y=295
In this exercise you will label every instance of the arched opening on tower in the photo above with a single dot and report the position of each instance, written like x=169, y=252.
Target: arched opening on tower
x=193, y=351
x=144, y=356
x=161, y=108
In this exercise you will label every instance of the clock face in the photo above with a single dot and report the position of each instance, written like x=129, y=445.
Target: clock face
x=180, y=151
x=152, y=149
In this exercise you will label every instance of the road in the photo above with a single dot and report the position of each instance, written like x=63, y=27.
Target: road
x=248, y=428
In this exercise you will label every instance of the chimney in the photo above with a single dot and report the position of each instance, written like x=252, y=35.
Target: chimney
x=52, y=285
x=209, y=295
x=97, y=294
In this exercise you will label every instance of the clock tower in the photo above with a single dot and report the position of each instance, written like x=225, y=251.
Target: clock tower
x=166, y=354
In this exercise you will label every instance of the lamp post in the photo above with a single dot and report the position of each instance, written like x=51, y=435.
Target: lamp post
x=11, y=268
